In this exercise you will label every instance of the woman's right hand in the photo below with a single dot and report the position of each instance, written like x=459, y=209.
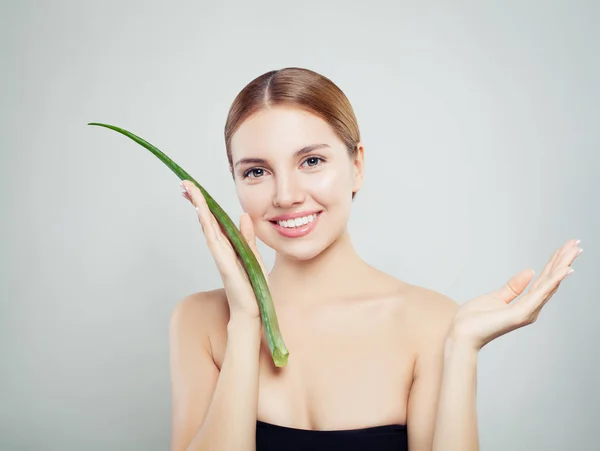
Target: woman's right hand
x=240, y=295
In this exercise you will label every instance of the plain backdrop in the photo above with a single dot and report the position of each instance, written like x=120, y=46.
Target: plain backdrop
x=481, y=123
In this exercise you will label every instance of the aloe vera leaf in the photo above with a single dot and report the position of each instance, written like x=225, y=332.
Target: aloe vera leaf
x=258, y=281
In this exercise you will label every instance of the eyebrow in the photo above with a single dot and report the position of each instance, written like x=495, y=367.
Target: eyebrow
x=298, y=153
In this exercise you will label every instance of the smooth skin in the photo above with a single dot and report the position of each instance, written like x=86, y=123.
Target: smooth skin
x=366, y=349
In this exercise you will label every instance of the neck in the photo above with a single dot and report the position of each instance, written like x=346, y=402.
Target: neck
x=324, y=276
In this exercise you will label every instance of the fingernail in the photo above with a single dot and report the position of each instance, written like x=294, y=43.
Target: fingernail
x=184, y=187
x=579, y=253
x=577, y=242
x=571, y=271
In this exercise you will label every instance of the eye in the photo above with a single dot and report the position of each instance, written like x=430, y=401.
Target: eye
x=254, y=171
x=315, y=159
x=259, y=172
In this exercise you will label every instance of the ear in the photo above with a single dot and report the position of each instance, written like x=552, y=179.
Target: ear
x=358, y=168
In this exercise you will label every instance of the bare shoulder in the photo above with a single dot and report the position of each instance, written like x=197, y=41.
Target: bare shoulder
x=433, y=311
x=430, y=312
x=432, y=304
x=423, y=299
x=201, y=311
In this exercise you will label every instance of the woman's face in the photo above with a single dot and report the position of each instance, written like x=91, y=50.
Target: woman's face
x=272, y=179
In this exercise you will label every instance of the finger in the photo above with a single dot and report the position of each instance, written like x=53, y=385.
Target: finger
x=186, y=196
x=535, y=300
x=564, y=254
x=515, y=286
x=546, y=270
x=220, y=247
x=567, y=260
x=190, y=191
x=247, y=229
x=197, y=199
x=195, y=195
x=569, y=256
x=555, y=262
x=205, y=218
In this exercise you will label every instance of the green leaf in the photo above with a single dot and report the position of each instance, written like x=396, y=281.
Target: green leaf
x=258, y=281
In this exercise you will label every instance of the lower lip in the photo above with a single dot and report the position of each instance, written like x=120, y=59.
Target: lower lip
x=297, y=232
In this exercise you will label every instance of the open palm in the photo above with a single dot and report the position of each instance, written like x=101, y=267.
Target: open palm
x=491, y=315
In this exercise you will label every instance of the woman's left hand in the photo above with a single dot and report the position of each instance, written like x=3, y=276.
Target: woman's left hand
x=480, y=320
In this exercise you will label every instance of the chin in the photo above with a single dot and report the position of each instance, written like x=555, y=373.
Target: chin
x=299, y=249
x=302, y=253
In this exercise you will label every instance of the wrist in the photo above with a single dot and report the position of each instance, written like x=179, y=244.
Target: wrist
x=459, y=347
x=244, y=335
x=243, y=322
x=457, y=338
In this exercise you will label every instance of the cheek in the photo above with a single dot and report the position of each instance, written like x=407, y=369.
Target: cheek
x=245, y=201
x=252, y=199
x=330, y=184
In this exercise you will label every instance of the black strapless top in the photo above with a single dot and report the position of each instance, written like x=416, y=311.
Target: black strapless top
x=271, y=437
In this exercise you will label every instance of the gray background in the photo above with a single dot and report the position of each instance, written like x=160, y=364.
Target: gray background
x=481, y=126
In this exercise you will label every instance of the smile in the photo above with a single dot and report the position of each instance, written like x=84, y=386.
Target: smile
x=298, y=227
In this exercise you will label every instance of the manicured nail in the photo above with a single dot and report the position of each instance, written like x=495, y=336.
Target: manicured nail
x=579, y=253
x=571, y=271
x=577, y=242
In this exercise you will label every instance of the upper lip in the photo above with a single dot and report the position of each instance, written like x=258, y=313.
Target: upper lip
x=295, y=215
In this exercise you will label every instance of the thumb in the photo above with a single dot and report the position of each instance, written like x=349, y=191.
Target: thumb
x=515, y=286
x=247, y=229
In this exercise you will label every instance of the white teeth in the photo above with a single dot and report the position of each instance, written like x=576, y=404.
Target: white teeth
x=291, y=223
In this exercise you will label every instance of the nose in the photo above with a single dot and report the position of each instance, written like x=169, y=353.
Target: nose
x=288, y=192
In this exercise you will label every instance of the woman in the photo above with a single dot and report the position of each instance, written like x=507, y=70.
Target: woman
x=375, y=362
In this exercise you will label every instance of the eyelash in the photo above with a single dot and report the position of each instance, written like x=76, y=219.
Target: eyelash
x=249, y=171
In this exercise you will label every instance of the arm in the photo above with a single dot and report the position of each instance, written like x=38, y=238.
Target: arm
x=208, y=404
x=456, y=420
x=434, y=320
x=448, y=367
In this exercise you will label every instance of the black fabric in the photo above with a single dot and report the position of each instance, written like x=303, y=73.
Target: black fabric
x=271, y=437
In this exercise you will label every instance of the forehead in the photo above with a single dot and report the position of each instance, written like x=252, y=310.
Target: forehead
x=281, y=128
